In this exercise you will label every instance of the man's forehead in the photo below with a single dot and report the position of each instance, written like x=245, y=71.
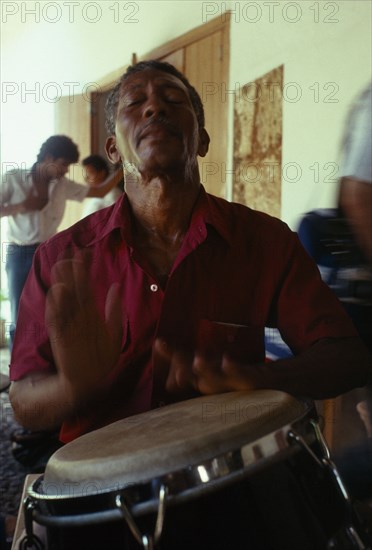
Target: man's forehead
x=140, y=80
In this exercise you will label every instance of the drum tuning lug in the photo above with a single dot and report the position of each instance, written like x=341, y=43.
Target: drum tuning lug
x=29, y=540
x=147, y=541
x=320, y=438
x=119, y=502
x=294, y=436
x=163, y=491
x=28, y=508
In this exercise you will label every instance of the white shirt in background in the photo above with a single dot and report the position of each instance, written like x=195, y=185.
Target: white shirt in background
x=92, y=204
x=37, y=226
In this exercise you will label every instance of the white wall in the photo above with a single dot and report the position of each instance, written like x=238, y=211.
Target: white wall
x=327, y=51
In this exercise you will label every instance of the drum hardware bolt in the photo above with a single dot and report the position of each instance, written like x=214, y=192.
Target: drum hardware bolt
x=163, y=491
x=324, y=462
x=327, y=464
x=146, y=541
x=30, y=540
x=320, y=438
x=350, y=529
x=294, y=436
x=353, y=537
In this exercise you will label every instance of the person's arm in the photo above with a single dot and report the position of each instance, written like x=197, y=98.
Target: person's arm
x=356, y=203
x=11, y=209
x=41, y=401
x=30, y=203
x=328, y=368
x=355, y=194
x=85, y=348
x=106, y=186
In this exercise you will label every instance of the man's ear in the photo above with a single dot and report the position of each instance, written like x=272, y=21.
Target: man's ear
x=112, y=151
x=204, y=140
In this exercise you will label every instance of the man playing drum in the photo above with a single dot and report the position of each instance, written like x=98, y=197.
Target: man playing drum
x=165, y=295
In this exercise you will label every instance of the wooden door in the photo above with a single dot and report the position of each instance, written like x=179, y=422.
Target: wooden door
x=72, y=118
x=206, y=69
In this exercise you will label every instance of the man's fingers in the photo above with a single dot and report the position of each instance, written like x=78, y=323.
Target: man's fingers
x=183, y=373
x=62, y=272
x=72, y=272
x=162, y=351
x=80, y=278
x=180, y=375
x=57, y=311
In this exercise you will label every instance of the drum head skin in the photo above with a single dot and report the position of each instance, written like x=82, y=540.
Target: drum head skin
x=146, y=446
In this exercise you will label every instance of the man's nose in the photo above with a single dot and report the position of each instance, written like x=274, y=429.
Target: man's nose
x=154, y=106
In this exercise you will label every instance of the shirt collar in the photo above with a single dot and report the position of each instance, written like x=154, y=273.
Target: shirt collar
x=110, y=219
x=208, y=210
x=212, y=211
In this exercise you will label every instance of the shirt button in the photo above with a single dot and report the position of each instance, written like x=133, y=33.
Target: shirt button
x=154, y=288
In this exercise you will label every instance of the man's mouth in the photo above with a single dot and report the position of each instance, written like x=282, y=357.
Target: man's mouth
x=158, y=128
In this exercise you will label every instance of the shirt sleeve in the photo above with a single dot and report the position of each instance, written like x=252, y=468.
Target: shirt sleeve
x=357, y=149
x=306, y=309
x=6, y=189
x=75, y=191
x=31, y=350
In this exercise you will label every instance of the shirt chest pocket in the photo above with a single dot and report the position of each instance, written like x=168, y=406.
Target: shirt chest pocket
x=243, y=343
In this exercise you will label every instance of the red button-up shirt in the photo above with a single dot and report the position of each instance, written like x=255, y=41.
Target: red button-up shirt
x=237, y=271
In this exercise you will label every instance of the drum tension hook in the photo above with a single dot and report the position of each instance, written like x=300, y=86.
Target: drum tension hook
x=30, y=540
x=147, y=541
x=327, y=464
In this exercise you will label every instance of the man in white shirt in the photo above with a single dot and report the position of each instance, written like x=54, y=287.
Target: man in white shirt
x=34, y=201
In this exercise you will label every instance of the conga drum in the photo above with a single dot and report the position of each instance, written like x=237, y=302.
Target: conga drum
x=240, y=470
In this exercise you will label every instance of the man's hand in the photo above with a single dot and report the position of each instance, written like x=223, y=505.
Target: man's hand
x=203, y=373
x=85, y=346
x=29, y=204
x=33, y=202
x=346, y=362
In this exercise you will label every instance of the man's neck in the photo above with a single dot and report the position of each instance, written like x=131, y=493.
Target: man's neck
x=163, y=209
x=40, y=174
x=162, y=213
